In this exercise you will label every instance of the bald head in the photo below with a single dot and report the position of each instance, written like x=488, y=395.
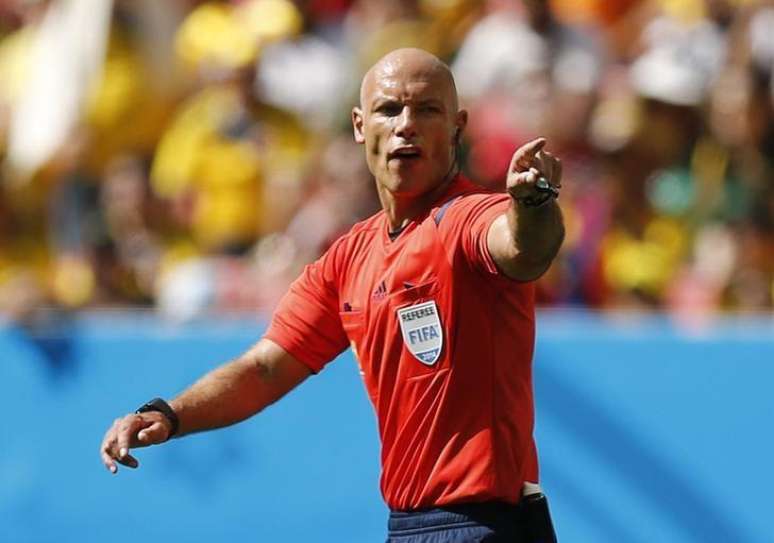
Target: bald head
x=410, y=64
x=410, y=125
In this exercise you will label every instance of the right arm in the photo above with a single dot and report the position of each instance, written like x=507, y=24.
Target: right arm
x=524, y=240
x=229, y=394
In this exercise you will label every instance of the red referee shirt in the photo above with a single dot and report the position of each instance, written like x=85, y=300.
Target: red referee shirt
x=444, y=342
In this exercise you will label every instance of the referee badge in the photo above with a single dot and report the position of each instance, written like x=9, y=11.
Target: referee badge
x=420, y=325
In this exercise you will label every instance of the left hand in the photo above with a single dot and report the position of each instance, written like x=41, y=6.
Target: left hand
x=529, y=163
x=132, y=431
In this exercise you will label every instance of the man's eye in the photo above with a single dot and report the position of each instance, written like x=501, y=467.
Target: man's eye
x=429, y=108
x=390, y=109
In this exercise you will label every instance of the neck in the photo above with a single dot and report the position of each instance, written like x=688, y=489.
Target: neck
x=401, y=209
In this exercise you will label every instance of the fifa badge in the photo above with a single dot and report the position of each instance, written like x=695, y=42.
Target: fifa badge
x=420, y=325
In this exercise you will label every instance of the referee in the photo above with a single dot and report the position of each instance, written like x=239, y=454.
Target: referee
x=435, y=294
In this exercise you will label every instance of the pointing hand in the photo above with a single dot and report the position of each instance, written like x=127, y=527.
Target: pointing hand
x=533, y=172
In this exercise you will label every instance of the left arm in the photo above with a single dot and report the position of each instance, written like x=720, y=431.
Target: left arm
x=524, y=240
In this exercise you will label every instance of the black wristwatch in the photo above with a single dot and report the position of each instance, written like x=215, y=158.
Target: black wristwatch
x=157, y=404
x=546, y=190
x=542, y=185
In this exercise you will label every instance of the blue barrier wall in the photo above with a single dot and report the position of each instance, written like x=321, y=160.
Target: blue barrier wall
x=647, y=432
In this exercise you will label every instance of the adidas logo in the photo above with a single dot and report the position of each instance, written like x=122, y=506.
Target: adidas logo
x=379, y=292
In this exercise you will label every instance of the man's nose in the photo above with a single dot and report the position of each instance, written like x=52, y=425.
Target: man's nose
x=406, y=127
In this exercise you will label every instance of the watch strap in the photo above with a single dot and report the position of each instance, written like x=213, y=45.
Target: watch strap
x=158, y=404
x=545, y=192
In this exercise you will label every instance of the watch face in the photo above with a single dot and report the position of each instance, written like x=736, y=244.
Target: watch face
x=159, y=405
x=150, y=406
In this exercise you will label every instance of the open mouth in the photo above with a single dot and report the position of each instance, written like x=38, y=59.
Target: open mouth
x=406, y=152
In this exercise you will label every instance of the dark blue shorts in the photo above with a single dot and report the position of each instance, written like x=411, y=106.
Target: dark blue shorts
x=492, y=522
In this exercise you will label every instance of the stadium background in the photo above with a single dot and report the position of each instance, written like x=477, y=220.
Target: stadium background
x=168, y=167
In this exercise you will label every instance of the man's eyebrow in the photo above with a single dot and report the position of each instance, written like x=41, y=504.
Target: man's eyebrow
x=385, y=98
x=431, y=102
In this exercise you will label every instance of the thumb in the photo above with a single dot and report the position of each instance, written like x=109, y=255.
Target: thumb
x=158, y=432
x=522, y=184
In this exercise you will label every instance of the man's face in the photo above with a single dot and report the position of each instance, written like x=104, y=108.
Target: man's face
x=409, y=124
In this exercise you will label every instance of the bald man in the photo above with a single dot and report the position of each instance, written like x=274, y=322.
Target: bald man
x=435, y=295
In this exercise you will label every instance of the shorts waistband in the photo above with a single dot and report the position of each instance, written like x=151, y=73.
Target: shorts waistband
x=494, y=514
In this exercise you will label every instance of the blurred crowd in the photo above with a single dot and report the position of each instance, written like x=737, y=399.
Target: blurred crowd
x=193, y=156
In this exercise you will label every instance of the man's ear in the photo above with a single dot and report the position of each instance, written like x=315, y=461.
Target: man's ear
x=357, y=124
x=461, y=122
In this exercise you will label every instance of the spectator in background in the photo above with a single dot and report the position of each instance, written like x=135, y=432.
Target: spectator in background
x=230, y=165
x=226, y=151
x=662, y=111
x=737, y=200
x=672, y=177
x=129, y=256
x=523, y=73
x=59, y=201
x=373, y=28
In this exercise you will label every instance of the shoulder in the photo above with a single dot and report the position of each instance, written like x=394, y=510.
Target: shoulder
x=470, y=204
x=366, y=228
x=359, y=236
x=480, y=196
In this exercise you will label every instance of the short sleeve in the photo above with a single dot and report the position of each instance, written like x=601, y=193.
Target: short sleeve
x=469, y=220
x=306, y=323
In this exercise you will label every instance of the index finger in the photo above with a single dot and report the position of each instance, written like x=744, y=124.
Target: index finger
x=127, y=432
x=106, y=448
x=526, y=152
